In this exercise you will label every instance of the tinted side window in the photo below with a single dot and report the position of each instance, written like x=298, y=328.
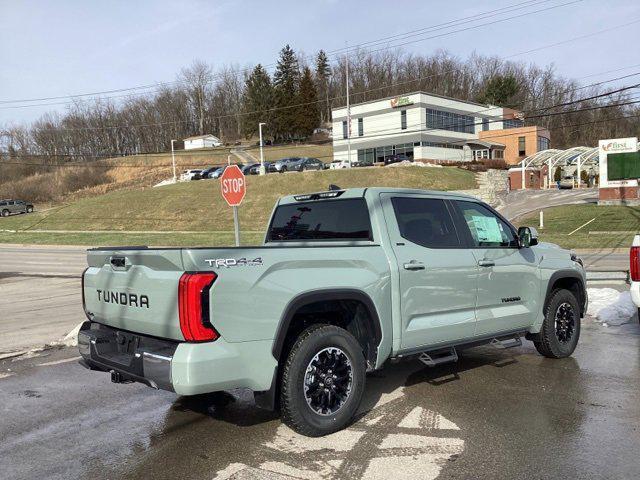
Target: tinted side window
x=323, y=220
x=425, y=221
x=487, y=230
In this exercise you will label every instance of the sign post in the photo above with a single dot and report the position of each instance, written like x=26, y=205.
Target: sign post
x=234, y=188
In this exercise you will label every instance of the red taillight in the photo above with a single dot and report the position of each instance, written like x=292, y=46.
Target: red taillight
x=193, y=307
x=634, y=263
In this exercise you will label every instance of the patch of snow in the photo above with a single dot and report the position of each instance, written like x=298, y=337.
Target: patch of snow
x=165, y=182
x=610, y=307
x=407, y=163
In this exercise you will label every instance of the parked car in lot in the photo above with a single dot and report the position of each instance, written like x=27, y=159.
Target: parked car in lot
x=206, y=173
x=247, y=168
x=566, y=182
x=409, y=273
x=268, y=167
x=305, y=163
x=188, y=175
x=397, y=158
x=634, y=271
x=338, y=164
x=283, y=164
x=11, y=207
x=218, y=172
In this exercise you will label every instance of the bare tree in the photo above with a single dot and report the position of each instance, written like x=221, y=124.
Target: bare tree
x=197, y=80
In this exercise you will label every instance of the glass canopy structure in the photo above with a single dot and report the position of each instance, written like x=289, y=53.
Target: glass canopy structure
x=581, y=157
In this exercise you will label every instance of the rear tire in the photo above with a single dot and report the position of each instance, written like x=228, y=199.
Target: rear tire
x=5, y=213
x=561, y=327
x=29, y=209
x=322, y=381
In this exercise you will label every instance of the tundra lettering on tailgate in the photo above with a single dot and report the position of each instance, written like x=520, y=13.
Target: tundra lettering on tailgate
x=123, y=298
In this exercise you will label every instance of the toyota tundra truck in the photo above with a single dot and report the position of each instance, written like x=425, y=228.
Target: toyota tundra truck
x=345, y=281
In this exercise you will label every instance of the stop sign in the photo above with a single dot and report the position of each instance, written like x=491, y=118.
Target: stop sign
x=233, y=185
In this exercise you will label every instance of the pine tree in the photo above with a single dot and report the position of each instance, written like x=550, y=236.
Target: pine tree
x=323, y=72
x=257, y=100
x=308, y=116
x=500, y=90
x=286, y=80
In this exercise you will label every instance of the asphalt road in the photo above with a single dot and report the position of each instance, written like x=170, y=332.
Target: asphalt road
x=497, y=414
x=520, y=202
x=40, y=300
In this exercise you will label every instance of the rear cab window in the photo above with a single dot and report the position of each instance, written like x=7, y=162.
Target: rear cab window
x=324, y=220
x=425, y=221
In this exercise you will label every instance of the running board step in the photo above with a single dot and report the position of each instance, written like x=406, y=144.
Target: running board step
x=437, y=357
x=508, y=342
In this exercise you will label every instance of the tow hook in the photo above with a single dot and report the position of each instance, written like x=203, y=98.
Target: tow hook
x=117, y=377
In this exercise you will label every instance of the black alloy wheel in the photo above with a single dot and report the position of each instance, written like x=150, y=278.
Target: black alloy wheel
x=328, y=380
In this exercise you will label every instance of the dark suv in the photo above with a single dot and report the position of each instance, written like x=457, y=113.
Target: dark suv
x=9, y=207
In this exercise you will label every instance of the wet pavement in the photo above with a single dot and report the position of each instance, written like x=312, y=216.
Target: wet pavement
x=495, y=414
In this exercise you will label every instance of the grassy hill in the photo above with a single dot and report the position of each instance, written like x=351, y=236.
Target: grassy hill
x=611, y=226
x=51, y=184
x=199, y=207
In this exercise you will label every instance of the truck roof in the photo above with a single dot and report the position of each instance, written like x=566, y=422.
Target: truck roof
x=361, y=192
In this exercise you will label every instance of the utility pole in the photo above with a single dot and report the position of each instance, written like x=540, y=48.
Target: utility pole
x=262, y=170
x=348, y=109
x=173, y=160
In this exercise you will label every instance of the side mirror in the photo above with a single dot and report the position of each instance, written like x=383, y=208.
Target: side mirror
x=527, y=237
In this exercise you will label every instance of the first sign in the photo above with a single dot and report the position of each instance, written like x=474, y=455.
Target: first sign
x=233, y=185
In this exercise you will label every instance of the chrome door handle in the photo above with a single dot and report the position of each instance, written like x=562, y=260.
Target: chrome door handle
x=413, y=265
x=486, y=263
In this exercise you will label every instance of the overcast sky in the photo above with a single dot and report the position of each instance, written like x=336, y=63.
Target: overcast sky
x=78, y=46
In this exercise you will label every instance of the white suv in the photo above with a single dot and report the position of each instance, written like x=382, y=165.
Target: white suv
x=634, y=269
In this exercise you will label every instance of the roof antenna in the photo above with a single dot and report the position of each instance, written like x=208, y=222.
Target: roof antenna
x=333, y=187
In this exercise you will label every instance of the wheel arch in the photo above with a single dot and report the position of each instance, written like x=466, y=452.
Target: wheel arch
x=569, y=280
x=365, y=323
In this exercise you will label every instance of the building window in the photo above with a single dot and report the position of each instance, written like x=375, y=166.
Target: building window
x=455, y=146
x=455, y=122
x=522, y=150
x=360, y=127
x=543, y=143
x=481, y=154
x=403, y=119
x=345, y=130
x=366, y=156
x=485, y=124
x=498, y=154
x=512, y=123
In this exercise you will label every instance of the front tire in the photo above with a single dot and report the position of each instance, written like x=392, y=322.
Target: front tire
x=5, y=213
x=322, y=381
x=561, y=327
x=29, y=209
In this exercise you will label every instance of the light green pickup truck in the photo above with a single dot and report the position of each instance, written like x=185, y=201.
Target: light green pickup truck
x=346, y=280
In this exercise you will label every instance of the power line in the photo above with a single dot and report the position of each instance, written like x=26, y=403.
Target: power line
x=333, y=52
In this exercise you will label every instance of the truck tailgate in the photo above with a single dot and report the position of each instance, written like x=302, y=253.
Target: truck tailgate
x=135, y=290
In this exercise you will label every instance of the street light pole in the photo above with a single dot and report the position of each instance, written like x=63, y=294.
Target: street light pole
x=348, y=108
x=173, y=160
x=262, y=170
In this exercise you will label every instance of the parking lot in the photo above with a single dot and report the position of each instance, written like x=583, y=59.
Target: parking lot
x=494, y=414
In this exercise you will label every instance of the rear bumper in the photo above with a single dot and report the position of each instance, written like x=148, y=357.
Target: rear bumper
x=129, y=357
x=181, y=367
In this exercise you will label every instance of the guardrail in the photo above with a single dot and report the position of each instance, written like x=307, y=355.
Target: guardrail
x=604, y=275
